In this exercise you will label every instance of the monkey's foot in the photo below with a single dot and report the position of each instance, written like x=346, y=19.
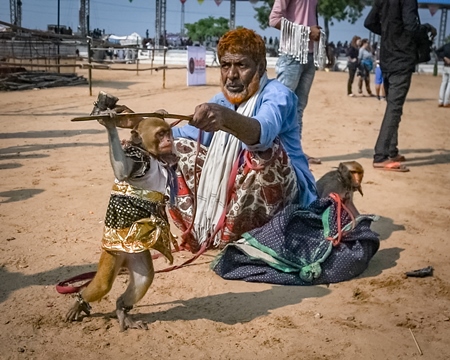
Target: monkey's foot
x=79, y=306
x=125, y=321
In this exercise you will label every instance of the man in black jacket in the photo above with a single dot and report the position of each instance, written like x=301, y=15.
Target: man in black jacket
x=398, y=23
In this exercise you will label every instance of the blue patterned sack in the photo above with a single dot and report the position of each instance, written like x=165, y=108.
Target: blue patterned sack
x=296, y=247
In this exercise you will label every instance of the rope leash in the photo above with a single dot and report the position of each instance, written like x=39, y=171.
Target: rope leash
x=339, y=206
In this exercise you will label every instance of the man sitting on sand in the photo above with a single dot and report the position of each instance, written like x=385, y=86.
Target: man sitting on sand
x=249, y=164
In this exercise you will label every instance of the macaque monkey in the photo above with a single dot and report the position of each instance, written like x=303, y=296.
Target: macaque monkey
x=135, y=219
x=344, y=181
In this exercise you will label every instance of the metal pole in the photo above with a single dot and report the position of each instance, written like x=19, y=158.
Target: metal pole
x=89, y=56
x=232, y=14
x=163, y=20
x=164, y=70
x=59, y=32
x=137, y=61
x=157, y=23
x=151, y=62
x=442, y=27
x=182, y=20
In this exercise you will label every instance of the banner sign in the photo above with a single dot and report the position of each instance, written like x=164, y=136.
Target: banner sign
x=196, y=58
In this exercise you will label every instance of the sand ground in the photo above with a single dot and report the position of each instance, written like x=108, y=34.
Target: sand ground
x=55, y=182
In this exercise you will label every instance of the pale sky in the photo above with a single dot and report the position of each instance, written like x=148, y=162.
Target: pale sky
x=120, y=17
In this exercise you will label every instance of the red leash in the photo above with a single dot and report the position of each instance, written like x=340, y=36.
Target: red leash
x=66, y=287
x=220, y=224
x=340, y=233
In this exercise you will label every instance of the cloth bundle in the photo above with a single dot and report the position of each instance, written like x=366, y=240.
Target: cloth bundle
x=294, y=248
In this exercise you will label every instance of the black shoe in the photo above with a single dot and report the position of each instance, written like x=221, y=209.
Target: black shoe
x=428, y=271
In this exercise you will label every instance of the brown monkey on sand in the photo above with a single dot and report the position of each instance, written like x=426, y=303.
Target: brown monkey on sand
x=345, y=180
x=135, y=219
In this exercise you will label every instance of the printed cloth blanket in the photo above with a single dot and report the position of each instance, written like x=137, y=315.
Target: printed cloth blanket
x=302, y=247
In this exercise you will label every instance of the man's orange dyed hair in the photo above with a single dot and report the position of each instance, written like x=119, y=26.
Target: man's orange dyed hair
x=242, y=41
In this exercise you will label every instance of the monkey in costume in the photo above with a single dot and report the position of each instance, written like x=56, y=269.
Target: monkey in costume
x=135, y=218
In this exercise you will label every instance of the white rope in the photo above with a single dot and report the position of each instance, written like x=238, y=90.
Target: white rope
x=294, y=41
x=320, y=51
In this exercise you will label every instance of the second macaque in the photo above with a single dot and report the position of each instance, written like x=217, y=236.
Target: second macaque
x=344, y=181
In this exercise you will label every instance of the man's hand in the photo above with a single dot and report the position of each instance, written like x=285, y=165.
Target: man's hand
x=432, y=30
x=210, y=117
x=314, y=35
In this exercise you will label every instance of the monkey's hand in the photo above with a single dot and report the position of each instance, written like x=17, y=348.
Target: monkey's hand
x=161, y=111
x=79, y=306
x=111, y=122
x=125, y=121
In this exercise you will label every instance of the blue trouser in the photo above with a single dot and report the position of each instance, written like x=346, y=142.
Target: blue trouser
x=396, y=85
x=297, y=77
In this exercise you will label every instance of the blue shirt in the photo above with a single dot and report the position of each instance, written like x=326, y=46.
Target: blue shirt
x=276, y=111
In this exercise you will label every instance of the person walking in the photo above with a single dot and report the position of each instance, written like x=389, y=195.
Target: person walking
x=352, y=62
x=398, y=23
x=365, y=60
x=444, y=92
x=297, y=74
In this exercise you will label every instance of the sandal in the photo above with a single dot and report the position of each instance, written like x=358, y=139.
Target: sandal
x=398, y=158
x=390, y=165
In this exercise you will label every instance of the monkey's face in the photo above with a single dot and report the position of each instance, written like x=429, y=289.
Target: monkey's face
x=357, y=173
x=154, y=135
x=357, y=180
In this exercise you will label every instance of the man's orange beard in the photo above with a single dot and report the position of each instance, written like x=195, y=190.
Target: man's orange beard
x=247, y=93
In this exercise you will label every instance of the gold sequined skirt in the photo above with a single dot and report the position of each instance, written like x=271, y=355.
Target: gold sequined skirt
x=152, y=232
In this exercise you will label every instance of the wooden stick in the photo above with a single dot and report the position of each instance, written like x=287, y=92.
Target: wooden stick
x=414, y=338
x=131, y=115
x=145, y=114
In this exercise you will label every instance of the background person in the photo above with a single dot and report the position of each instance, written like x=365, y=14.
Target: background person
x=296, y=75
x=365, y=60
x=444, y=92
x=398, y=23
x=352, y=62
